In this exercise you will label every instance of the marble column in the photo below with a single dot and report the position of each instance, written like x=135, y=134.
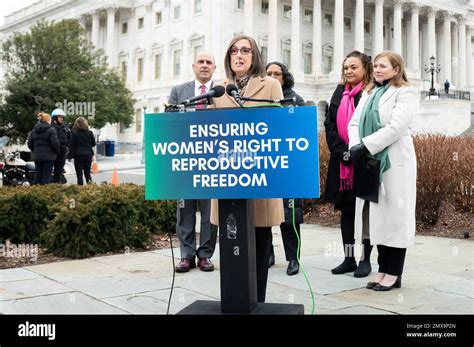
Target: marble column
x=397, y=26
x=110, y=47
x=95, y=27
x=455, y=54
x=296, y=49
x=447, y=46
x=273, y=31
x=338, y=26
x=378, y=28
x=431, y=33
x=359, y=26
x=470, y=68
x=462, y=53
x=317, y=42
x=415, y=43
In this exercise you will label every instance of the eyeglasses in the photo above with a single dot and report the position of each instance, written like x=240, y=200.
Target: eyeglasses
x=274, y=73
x=243, y=50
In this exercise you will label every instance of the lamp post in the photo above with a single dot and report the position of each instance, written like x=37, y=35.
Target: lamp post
x=432, y=69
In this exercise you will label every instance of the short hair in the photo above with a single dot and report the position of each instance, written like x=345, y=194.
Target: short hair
x=288, y=79
x=396, y=60
x=257, y=69
x=81, y=124
x=366, y=64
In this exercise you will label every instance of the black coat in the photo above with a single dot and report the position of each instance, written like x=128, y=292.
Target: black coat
x=81, y=144
x=64, y=135
x=289, y=211
x=43, y=142
x=290, y=93
x=345, y=199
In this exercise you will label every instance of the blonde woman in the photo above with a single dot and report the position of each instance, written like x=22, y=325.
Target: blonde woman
x=380, y=128
x=80, y=148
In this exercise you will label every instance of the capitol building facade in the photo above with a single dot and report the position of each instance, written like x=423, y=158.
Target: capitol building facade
x=152, y=44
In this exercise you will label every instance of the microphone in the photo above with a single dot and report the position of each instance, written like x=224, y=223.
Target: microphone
x=215, y=92
x=234, y=92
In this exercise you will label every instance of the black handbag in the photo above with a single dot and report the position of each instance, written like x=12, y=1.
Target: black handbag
x=367, y=179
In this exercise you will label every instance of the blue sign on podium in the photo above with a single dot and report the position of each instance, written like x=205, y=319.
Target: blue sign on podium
x=269, y=152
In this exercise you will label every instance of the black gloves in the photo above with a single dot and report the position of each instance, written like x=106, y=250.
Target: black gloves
x=346, y=158
x=358, y=152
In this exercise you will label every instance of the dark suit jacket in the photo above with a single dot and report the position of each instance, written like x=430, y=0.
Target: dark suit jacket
x=182, y=92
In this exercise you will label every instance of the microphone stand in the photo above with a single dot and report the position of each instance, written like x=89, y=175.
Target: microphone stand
x=271, y=101
x=184, y=106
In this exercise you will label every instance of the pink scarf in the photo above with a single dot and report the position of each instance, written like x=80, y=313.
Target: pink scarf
x=344, y=114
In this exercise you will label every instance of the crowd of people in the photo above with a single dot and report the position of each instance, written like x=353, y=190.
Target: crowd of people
x=367, y=121
x=52, y=143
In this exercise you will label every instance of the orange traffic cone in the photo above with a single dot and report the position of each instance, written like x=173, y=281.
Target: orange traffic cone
x=115, y=179
x=95, y=167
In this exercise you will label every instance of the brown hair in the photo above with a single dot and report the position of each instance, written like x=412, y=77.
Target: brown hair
x=43, y=117
x=366, y=64
x=258, y=66
x=396, y=60
x=81, y=124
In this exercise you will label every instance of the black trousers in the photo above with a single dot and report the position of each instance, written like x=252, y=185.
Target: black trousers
x=391, y=260
x=290, y=241
x=83, y=164
x=347, y=231
x=43, y=170
x=263, y=244
x=59, y=167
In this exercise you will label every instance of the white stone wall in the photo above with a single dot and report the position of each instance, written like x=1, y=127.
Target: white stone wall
x=226, y=21
x=449, y=117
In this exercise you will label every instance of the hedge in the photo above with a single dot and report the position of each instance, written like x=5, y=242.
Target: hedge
x=77, y=222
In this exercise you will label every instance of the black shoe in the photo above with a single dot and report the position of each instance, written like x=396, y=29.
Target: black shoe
x=271, y=260
x=381, y=288
x=371, y=285
x=293, y=268
x=363, y=270
x=348, y=265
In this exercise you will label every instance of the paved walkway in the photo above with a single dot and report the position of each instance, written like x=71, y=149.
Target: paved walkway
x=438, y=278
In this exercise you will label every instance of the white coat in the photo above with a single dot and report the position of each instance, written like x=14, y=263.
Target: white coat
x=392, y=219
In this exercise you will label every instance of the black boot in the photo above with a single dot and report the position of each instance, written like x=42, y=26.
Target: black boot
x=271, y=260
x=347, y=230
x=364, y=268
x=348, y=265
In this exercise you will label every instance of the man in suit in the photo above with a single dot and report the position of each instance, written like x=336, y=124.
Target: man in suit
x=204, y=67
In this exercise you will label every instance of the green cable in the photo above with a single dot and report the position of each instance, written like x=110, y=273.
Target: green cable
x=298, y=259
x=296, y=232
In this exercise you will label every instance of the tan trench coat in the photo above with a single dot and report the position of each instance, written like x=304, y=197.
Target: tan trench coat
x=268, y=212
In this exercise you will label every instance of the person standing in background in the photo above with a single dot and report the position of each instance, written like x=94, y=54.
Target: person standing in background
x=289, y=235
x=356, y=78
x=44, y=144
x=380, y=129
x=204, y=67
x=64, y=136
x=80, y=148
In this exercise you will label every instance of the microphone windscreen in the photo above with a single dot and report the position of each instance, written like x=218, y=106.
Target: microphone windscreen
x=219, y=91
x=230, y=88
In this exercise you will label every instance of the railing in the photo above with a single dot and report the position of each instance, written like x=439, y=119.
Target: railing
x=457, y=94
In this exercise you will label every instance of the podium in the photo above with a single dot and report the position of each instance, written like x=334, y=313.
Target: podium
x=238, y=268
x=288, y=136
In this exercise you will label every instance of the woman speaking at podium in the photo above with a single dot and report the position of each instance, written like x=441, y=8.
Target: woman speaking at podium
x=245, y=69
